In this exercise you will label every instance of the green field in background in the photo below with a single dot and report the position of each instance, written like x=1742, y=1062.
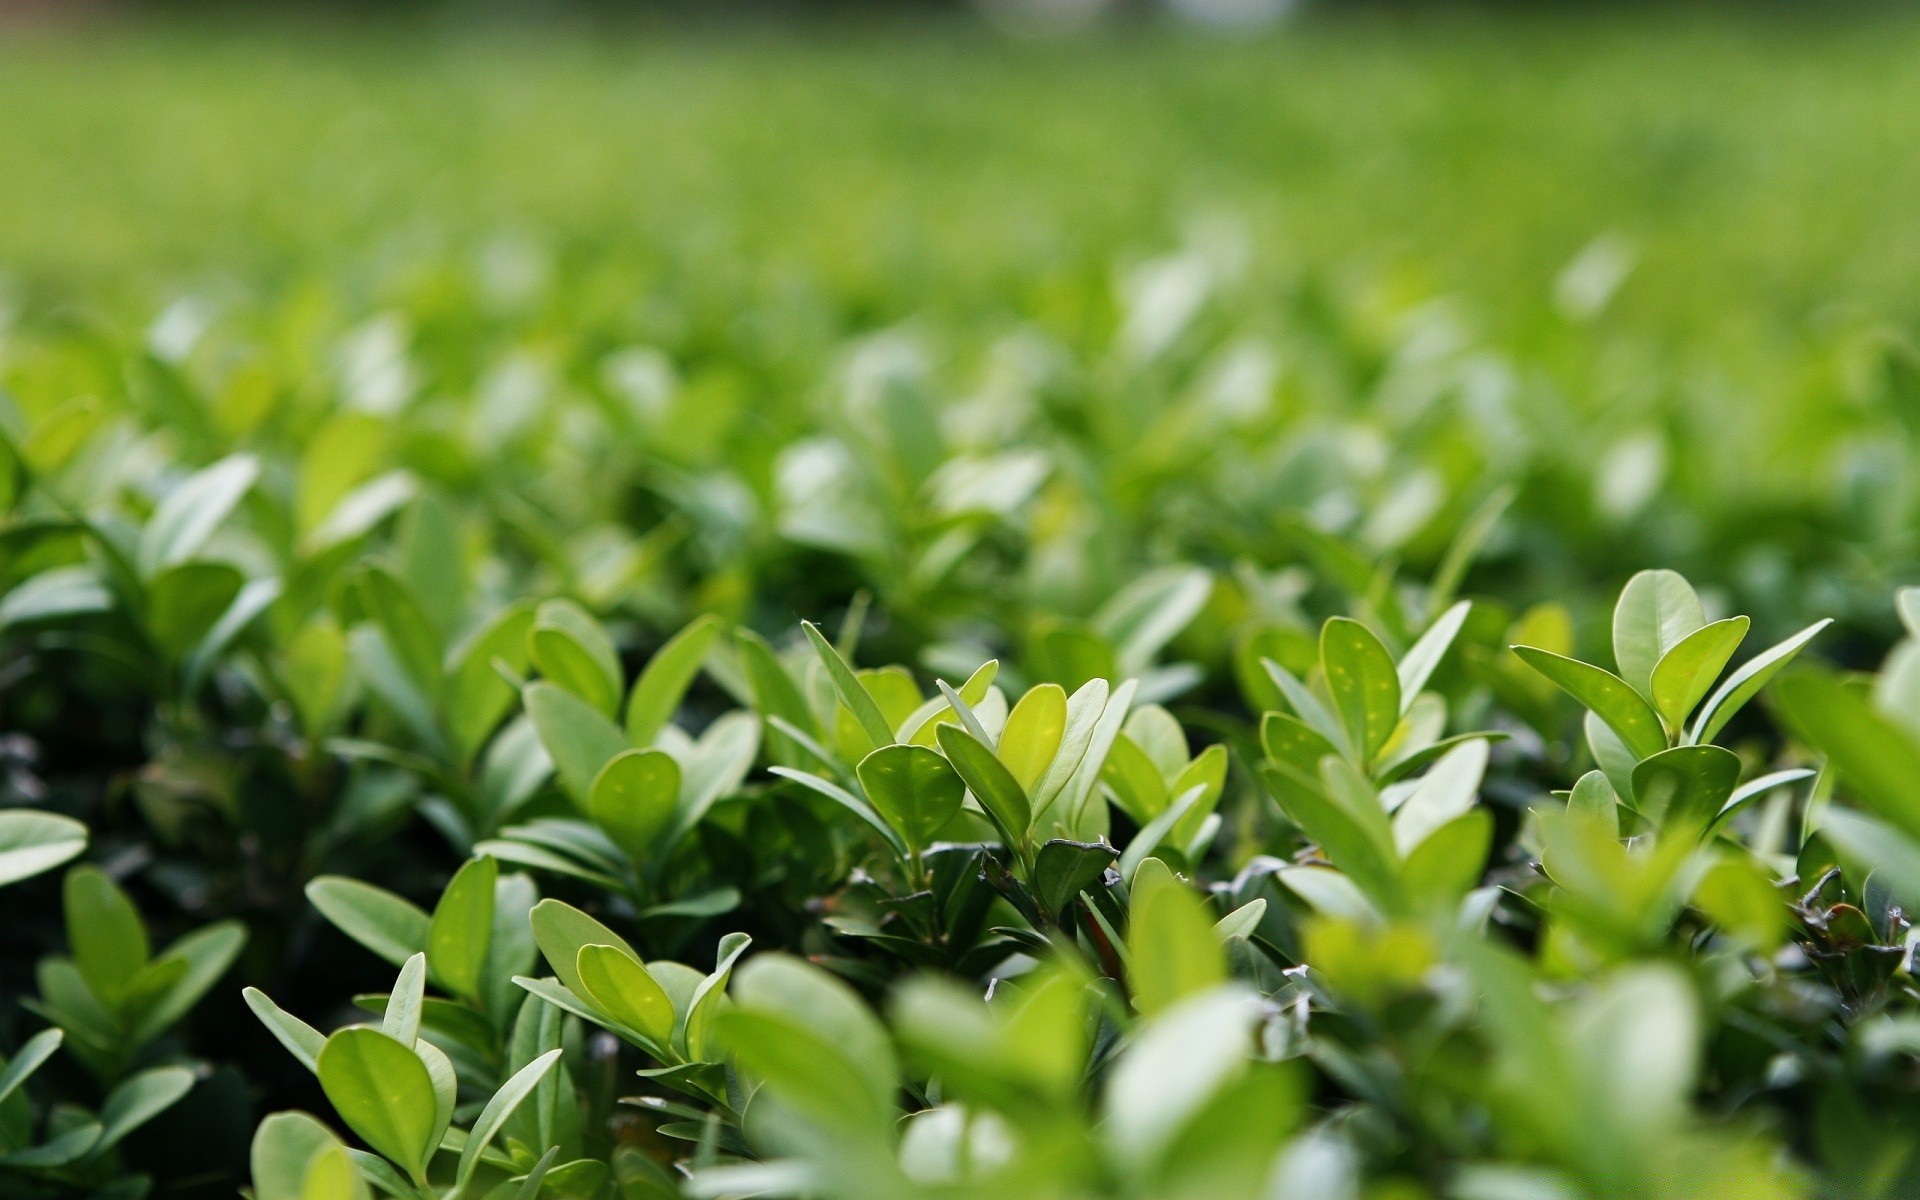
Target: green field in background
x=1763, y=164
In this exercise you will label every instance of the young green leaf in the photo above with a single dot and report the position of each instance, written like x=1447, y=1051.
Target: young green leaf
x=572, y=650
x=1171, y=945
x=851, y=691
x=1364, y=683
x=461, y=929
x=579, y=738
x=108, y=938
x=561, y=930
x=382, y=1090
x=32, y=841
x=1685, y=672
x=657, y=693
x=1744, y=684
x=1656, y=611
x=1606, y=694
x=391, y=926
x=914, y=789
x=183, y=522
x=634, y=799
x=495, y=1115
x=620, y=986
x=1033, y=732
x=990, y=782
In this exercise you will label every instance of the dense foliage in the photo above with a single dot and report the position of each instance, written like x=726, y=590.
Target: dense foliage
x=605, y=716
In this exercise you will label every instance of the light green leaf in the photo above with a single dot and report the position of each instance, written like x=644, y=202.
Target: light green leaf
x=1425, y=655
x=1877, y=759
x=1033, y=732
x=461, y=929
x=302, y=1040
x=183, y=521
x=1744, y=684
x=1656, y=611
x=391, y=926
x=634, y=799
x=619, y=985
x=1625, y=712
x=138, y=1100
x=1685, y=672
x=579, y=738
x=657, y=693
x=107, y=936
x=848, y=687
x=914, y=789
x=494, y=1116
x=32, y=841
x=1171, y=946
x=572, y=650
x=561, y=930
x=382, y=1090
x=990, y=782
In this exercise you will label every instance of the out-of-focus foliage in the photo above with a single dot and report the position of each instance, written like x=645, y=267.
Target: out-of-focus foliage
x=719, y=615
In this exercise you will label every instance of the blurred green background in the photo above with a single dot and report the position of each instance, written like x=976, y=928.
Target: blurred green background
x=1671, y=248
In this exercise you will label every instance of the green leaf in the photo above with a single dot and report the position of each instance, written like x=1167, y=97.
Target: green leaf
x=1625, y=712
x=914, y=789
x=1655, y=612
x=107, y=936
x=206, y=954
x=138, y=1100
x=1364, y=683
x=1447, y=863
x=578, y=737
x=573, y=651
x=634, y=798
x=302, y=1040
x=28, y=1059
x=494, y=1116
x=1418, y=666
x=1594, y=797
x=990, y=782
x=619, y=985
x=561, y=930
x=1171, y=948
x=32, y=842
x=184, y=602
x=657, y=693
x=1293, y=743
x=710, y=996
x=814, y=1041
x=183, y=522
x=284, y=1149
x=477, y=697
x=55, y=595
x=1031, y=736
x=1685, y=672
x=1443, y=794
x=392, y=927
x=1877, y=760
x=1741, y=686
x=1063, y=869
x=1135, y=781
x=1685, y=786
x=848, y=687
x=846, y=800
x=314, y=672
x=400, y=1020
x=382, y=1090
x=461, y=929
x=409, y=636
